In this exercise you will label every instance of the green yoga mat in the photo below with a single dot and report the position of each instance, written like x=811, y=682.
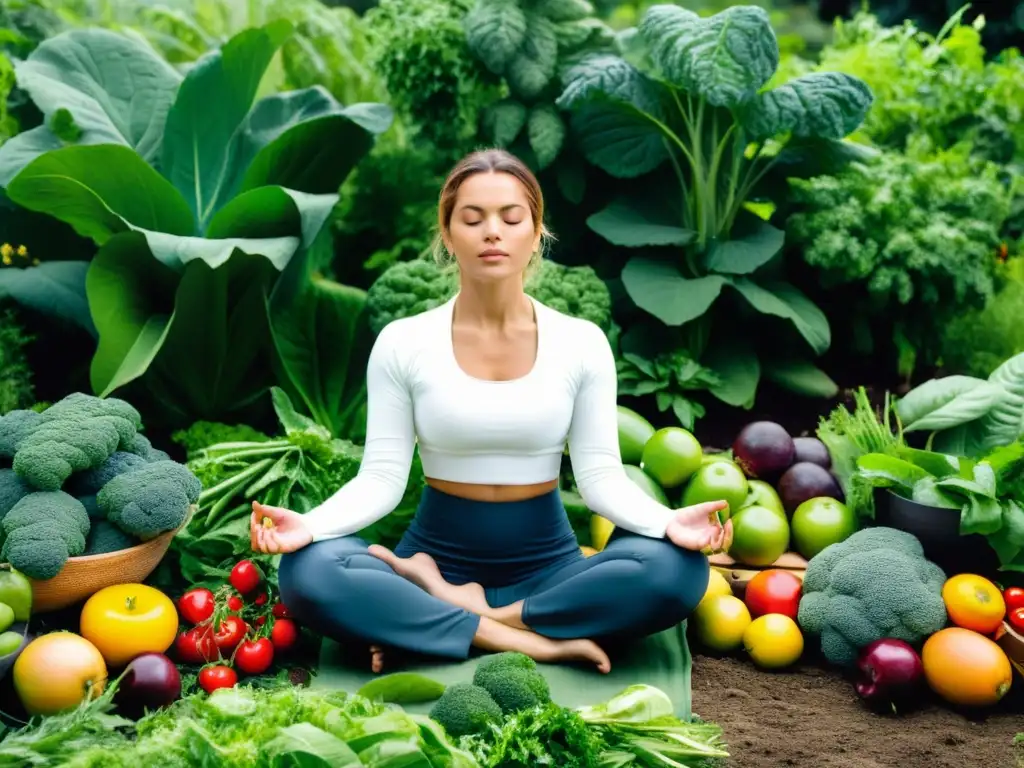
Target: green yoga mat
x=662, y=660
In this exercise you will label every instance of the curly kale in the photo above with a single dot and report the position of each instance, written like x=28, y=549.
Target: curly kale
x=575, y=291
x=405, y=289
x=875, y=584
x=150, y=500
x=42, y=531
x=76, y=433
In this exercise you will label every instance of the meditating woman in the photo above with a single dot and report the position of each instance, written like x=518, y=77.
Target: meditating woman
x=491, y=385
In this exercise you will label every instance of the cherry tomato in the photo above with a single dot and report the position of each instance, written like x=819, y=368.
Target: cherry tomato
x=261, y=620
x=262, y=599
x=218, y=676
x=254, y=657
x=230, y=633
x=284, y=634
x=1014, y=598
x=196, y=605
x=245, y=576
x=235, y=603
x=1016, y=618
x=196, y=646
x=280, y=611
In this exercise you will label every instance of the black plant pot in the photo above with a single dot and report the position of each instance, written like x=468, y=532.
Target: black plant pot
x=938, y=530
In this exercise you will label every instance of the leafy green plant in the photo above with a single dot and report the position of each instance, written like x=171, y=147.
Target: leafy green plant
x=197, y=211
x=686, y=102
x=965, y=415
x=16, y=384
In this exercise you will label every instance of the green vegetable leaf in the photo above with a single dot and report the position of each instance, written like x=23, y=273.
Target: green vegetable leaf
x=605, y=76
x=101, y=190
x=536, y=61
x=1003, y=422
x=926, y=491
x=117, y=89
x=546, y=131
x=304, y=745
x=827, y=105
x=981, y=515
x=799, y=375
x=402, y=687
x=786, y=301
x=495, y=31
x=592, y=32
x=53, y=288
x=658, y=288
x=1008, y=541
x=946, y=402
x=273, y=213
x=564, y=10
x=503, y=120
x=634, y=225
x=725, y=58
x=200, y=141
x=738, y=369
x=617, y=139
x=20, y=150
x=751, y=245
x=884, y=471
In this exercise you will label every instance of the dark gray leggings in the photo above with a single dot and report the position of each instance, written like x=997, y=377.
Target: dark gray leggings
x=636, y=586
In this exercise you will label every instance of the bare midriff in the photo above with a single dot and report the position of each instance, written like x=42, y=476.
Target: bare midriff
x=494, y=493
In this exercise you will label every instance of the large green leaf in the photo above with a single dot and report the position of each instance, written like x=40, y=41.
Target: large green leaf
x=212, y=103
x=752, y=244
x=657, y=287
x=606, y=77
x=307, y=141
x=495, y=32
x=826, y=105
x=725, y=58
x=800, y=376
x=131, y=296
x=53, y=288
x=273, y=212
x=101, y=190
x=536, y=61
x=624, y=222
x=22, y=149
x=738, y=369
x=177, y=252
x=216, y=357
x=117, y=89
x=618, y=139
x=785, y=301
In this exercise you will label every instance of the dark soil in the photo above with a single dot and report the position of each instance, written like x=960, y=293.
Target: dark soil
x=810, y=717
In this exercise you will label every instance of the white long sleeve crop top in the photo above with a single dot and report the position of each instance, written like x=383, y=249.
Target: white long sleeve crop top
x=472, y=430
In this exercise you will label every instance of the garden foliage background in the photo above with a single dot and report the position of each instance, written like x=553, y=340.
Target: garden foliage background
x=206, y=199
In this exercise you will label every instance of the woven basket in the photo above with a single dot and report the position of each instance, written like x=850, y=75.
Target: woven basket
x=82, y=577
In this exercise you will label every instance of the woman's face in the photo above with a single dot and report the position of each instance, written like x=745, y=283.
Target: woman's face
x=492, y=232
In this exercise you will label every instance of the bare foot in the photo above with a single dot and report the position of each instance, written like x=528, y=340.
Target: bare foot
x=376, y=659
x=581, y=650
x=492, y=635
x=422, y=571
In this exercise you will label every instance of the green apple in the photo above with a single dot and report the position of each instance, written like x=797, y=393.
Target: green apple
x=819, y=522
x=719, y=480
x=763, y=494
x=760, y=536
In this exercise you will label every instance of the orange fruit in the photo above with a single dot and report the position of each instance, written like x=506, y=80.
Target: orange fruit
x=974, y=602
x=773, y=641
x=966, y=668
x=720, y=621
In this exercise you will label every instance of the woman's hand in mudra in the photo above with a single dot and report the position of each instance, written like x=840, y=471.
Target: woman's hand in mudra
x=275, y=530
x=698, y=527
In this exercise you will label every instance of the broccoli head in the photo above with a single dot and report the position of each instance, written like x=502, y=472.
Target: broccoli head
x=42, y=531
x=14, y=426
x=513, y=681
x=12, y=490
x=464, y=709
x=142, y=447
x=74, y=434
x=89, y=482
x=574, y=291
x=150, y=500
x=105, y=537
x=875, y=584
x=405, y=289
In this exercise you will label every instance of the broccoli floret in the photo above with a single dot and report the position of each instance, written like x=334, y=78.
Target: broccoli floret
x=142, y=447
x=106, y=537
x=12, y=490
x=574, y=291
x=14, y=426
x=89, y=482
x=405, y=289
x=42, y=531
x=151, y=499
x=74, y=434
x=513, y=681
x=464, y=709
x=92, y=507
x=875, y=584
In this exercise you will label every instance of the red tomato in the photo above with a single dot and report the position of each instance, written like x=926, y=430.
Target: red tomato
x=284, y=634
x=1014, y=598
x=254, y=657
x=219, y=676
x=196, y=646
x=261, y=599
x=280, y=611
x=196, y=605
x=773, y=591
x=1016, y=618
x=245, y=576
x=235, y=604
x=230, y=633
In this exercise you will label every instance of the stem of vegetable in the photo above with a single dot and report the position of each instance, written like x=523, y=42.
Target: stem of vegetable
x=233, y=482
